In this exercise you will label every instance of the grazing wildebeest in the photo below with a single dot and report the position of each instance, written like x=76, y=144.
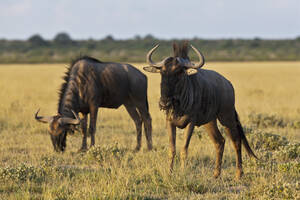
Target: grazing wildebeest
x=193, y=97
x=89, y=84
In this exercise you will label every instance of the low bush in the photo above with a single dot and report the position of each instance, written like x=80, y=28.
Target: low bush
x=103, y=153
x=266, y=141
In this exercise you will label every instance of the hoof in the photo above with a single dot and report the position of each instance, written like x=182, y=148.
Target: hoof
x=82, y=150
x=217, y=173
x=238, y=175
x=137, y=149
x=171, y=168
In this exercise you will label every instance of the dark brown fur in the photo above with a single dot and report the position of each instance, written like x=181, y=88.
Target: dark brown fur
x=199, y=99
x=90, y=84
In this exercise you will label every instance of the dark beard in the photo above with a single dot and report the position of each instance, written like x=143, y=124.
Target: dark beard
x=181, y=101
x=59, y=142
x=171, y=106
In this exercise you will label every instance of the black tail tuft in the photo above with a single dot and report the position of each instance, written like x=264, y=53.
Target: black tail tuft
x=243, y=137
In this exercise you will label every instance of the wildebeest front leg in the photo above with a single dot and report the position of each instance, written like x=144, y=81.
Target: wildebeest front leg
x=83, y=125
x=172, y=143
x=187, y=134
x=138, y=124
x=219, y=143
x=93, y=120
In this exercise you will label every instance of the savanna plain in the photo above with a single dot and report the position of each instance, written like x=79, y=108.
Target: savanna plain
x=268, y=103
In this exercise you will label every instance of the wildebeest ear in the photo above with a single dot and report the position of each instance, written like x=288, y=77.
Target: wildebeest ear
x=151, y=69
x=184, y=50
x=191, y=71
x=176, y=49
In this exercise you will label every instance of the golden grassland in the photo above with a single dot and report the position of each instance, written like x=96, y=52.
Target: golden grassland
x=267, y=100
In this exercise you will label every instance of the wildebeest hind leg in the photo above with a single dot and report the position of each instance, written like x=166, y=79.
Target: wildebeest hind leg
x=232, y=131
x=144, y=112
x=219, y=143
x=138, y=124
x=236, y=139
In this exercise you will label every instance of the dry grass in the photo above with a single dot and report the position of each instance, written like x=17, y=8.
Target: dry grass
x=267, y=99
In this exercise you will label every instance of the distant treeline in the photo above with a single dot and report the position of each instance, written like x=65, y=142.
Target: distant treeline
x=62, y=48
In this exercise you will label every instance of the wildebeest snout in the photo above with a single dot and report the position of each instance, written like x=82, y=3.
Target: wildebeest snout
x=165, y=103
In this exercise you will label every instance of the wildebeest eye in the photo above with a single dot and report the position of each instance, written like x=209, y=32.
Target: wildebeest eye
x=179, y=69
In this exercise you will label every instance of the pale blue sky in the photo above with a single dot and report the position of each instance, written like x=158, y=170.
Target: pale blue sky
x=83, y=19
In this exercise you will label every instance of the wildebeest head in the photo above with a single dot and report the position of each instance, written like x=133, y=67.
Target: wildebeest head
x=59, y=126
x=172, y=70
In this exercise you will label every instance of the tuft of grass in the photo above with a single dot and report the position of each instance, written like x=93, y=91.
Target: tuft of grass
x=267, y=141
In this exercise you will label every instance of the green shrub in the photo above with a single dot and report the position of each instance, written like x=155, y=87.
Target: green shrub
x=22, y=173
x=266, y=141
x=295, y=124
x=281, y=190
x=101, y=154
x=289, y=167
x=288, y=152
x=274, y=190
x=265, y=120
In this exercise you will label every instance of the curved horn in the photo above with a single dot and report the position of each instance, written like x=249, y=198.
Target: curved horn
x=42, y=118
x=201, y=59
x=68, y=120
x=149, y=54
x=154, y=64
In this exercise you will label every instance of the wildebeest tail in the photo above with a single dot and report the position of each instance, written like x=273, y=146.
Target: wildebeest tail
x=147, y=104
x=243, y=137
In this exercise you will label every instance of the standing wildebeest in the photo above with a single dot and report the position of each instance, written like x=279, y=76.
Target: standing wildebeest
x=193, y=97
x=89, y=84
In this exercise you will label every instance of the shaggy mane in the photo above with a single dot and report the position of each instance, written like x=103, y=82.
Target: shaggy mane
x=66, y=77
x=181, y=50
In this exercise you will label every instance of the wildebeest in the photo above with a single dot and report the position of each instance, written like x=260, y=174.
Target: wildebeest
x=193, y=97
x=89, y=84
